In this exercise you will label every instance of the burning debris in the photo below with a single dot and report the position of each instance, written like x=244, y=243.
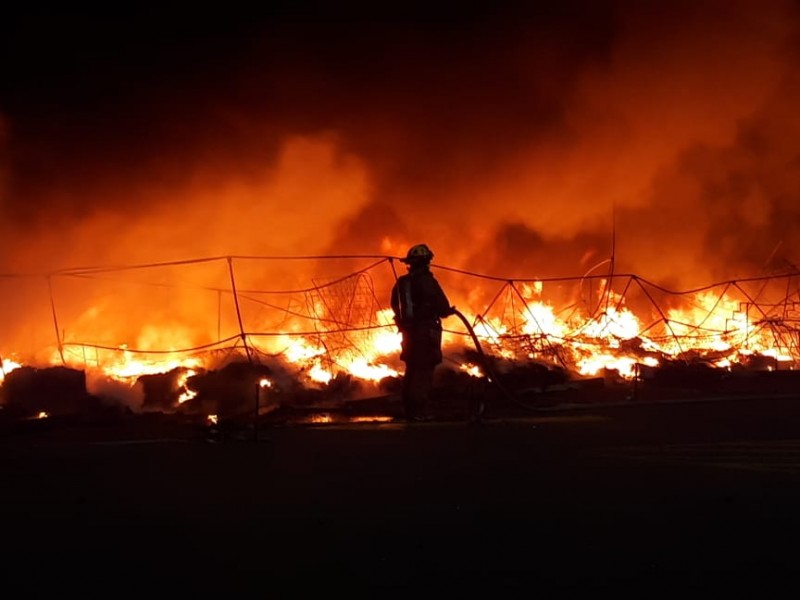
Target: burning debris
x=693, y=172
x=164, y=391
x=334, y=345
x=234, y=391
x=29, y=392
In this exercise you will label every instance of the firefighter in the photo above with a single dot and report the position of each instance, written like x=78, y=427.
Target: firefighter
x=419, y=305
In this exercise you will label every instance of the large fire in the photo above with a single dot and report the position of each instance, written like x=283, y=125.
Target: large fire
x=603, y=183
x=525, y=151
x=587, y=326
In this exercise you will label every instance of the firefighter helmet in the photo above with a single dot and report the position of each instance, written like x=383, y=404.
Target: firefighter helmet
x=418, y=254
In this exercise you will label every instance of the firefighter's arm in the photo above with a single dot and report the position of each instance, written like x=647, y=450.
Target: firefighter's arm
x=395, y=302
x=443, y=305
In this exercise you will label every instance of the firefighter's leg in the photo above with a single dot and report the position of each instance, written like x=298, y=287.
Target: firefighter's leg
x=409, y=400
x=417, y=386
x=424, y=389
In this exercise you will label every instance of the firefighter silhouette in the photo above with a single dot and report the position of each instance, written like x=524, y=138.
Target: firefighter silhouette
x=419, y=305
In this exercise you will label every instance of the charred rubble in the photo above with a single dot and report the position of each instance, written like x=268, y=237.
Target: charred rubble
x=235, y=394
x=54, y=391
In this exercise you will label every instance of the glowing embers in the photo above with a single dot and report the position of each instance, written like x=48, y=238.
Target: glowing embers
x=372, y=419
x=320, y=418
x=235, y=389
x=167, y=391
x=8, y=365
x=471, y=369
x=327, y=418
x=186, y=394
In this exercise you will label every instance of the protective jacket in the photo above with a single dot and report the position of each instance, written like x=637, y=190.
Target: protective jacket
x=419, y=304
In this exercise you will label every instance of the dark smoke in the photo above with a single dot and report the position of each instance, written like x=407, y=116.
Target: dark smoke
x=509, y=142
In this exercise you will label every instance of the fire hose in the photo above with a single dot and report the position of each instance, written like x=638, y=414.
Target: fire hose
x=488, y=369
x=491, y=375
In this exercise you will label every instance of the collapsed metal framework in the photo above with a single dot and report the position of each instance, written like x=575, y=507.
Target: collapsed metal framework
x=340, y=314
x=760, y=319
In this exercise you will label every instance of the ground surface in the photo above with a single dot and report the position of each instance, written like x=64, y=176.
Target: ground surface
x=671, y=499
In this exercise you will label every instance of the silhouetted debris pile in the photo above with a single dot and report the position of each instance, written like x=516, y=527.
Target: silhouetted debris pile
x=28, y=392
x=162, y=390
x=456, y=393
x=519, y=375
x=532, y=376
x=759, y=362
x=699, y=379
x=388, y=405
x=682, y=374
x=230, y=392
x=635, y=346
x=339, y=389
x=233, y=399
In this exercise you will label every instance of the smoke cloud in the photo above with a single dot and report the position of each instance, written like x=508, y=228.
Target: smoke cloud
x=520, y=145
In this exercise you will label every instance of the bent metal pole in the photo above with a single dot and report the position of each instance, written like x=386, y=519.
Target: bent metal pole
x=55, y=320
x=238, y=311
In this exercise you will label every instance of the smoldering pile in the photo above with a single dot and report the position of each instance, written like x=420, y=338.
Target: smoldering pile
x=241, y=394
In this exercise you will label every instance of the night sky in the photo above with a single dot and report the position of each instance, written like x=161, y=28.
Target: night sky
x=512, y=142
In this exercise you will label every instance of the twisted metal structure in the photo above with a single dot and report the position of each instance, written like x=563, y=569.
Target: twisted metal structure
x=562, y=320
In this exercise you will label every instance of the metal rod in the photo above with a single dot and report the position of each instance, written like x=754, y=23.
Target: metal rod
x=55, y=321
x=238, y=310
x=255, y=417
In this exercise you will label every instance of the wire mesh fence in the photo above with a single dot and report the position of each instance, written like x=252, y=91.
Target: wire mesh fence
x=335, y=309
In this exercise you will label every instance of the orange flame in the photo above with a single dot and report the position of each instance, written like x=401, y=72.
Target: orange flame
x=586, y=337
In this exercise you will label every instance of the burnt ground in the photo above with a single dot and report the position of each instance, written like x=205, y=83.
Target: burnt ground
x=696, y=498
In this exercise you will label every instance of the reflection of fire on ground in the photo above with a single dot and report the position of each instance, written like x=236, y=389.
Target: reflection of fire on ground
x=336, y=341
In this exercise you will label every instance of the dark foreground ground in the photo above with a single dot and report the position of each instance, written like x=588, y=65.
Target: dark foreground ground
x=695, y=499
